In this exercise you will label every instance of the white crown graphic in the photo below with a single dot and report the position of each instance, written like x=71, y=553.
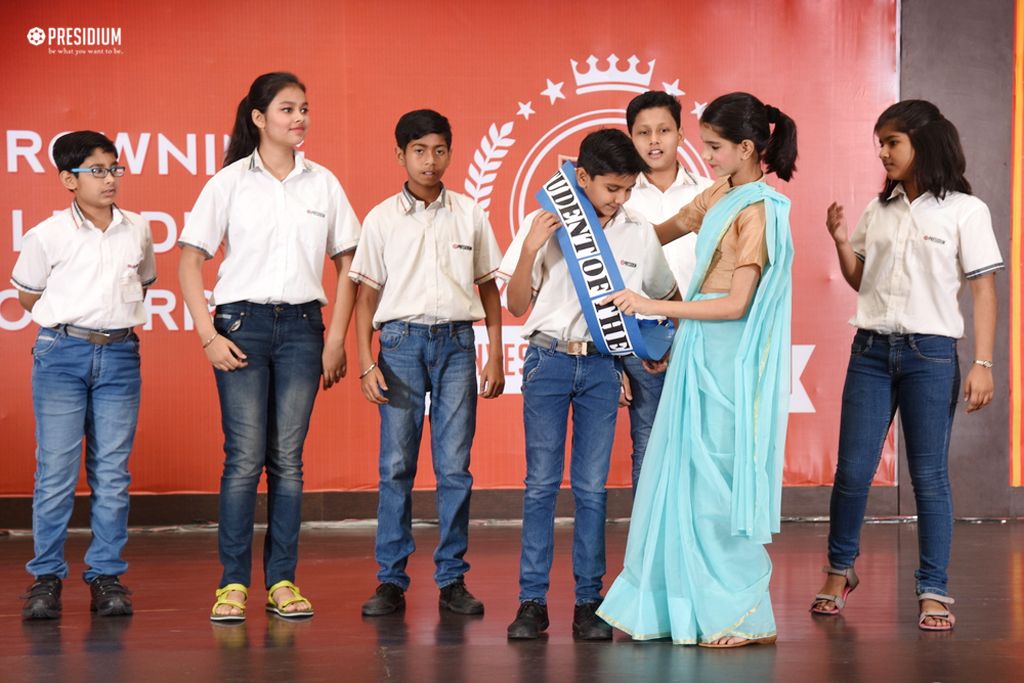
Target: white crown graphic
x=614, y=78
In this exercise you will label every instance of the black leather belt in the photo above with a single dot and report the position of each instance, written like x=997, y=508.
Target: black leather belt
x=100, y=337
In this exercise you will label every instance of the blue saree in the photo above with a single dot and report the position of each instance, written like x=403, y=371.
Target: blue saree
x=708, y=498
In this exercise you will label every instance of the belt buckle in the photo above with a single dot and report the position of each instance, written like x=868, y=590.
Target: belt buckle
x=100, y=338
x=576, y=348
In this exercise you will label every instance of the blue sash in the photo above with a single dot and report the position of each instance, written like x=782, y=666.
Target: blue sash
x=595, y=274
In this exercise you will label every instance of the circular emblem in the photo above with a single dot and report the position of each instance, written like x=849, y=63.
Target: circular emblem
x=546, y=130
x=36, y=36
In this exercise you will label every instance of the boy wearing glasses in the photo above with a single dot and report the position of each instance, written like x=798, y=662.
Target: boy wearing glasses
x=83, y=274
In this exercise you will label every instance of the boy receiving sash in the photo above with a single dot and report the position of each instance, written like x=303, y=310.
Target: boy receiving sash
x=565, y=367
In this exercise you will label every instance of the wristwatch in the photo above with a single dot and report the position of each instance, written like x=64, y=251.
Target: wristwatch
x=984, y=363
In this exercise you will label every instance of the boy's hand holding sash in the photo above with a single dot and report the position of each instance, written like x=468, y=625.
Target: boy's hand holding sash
x=595, y=273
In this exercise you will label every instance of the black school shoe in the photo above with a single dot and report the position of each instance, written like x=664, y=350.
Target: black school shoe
x=455, y=597
x=531, y=620
x=110, y=597
x=387, y=599
x=42, y=599
x=586, y=625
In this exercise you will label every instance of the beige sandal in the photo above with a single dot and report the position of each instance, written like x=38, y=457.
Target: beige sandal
x=936, y=614
x=839, y=600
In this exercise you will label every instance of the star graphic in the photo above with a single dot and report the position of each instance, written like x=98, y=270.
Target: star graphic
x=526, y=109
x=698, y=108
x=553, y=91
x=673, y=88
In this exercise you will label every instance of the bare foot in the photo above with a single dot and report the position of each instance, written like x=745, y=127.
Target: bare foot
x=934, y=606
x=231, y=610
x=727, y=640
x=284, y=594
x=835, y=584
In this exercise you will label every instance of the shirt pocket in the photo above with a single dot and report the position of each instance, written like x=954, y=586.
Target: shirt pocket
x=457, y=251
x=311, y=223
x=933, y=251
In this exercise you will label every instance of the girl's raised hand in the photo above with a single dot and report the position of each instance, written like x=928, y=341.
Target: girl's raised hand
x=836, y=223
x=978, y=388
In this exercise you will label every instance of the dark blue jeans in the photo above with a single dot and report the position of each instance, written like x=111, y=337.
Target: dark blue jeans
x=82, y=390
x=265, y=409
x=646, y=389
x=919, y=375
x=417, y=359
x=552, y=382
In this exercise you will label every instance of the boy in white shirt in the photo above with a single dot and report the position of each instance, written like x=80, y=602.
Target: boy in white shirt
x=427, y=260
x=653, y=121
x=83, y=274
x=563, y=368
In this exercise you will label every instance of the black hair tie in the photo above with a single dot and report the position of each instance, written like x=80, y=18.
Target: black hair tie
x=772, y=113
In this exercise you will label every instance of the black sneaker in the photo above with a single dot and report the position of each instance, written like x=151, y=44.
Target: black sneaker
x=110, y=597
x=455, y=597
x=531, y=620
x=387, y=599
x=586, y=625
x=42, y=600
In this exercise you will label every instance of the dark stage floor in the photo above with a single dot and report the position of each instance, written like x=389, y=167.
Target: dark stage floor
x=173, y=574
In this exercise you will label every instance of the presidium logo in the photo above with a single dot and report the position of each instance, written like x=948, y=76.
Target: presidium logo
x=77, y=40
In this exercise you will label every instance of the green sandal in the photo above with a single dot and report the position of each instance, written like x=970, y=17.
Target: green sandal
x=278, y=608
x=223, y=599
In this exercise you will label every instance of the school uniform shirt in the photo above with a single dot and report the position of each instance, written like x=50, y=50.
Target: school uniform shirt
x=916, y=257
x=425, y=259
x=275, y=233
x=657, y=207
x=87, y=277
x=556, y=308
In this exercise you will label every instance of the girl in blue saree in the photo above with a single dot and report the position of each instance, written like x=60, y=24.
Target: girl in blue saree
x=696, y=569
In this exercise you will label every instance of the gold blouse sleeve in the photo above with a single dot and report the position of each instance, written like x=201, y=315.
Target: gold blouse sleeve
x=692, y=215
x=751, y=246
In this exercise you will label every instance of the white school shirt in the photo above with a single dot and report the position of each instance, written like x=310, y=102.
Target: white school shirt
x=426, y=259
x=556, y=307
x=916, y=257
x=275, y=233
x=657, y=207
x=87, y=277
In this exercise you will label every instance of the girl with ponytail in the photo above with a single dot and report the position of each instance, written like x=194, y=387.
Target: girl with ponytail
x=276, y=214
x=907, y=259
x=696, y=569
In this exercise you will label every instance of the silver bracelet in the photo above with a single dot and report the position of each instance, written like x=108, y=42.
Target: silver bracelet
x=210, y=340
x=368, y=370
x=984, y=363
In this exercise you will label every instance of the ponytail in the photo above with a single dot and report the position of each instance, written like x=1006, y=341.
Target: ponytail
x=740, y=116
x=245, y=136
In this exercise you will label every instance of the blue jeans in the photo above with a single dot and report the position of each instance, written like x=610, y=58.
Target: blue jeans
x=265, y=409
x=552, y=382
x=417, y=359
x=646, y=389
x=920, y=375
x=82, y=390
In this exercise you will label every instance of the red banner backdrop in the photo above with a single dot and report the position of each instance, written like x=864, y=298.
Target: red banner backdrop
x=521, y=82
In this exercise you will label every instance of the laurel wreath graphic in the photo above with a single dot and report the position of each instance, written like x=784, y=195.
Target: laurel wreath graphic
x=487, y=160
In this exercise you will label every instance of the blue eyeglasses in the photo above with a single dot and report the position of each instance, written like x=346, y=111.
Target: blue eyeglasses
x=100, y=172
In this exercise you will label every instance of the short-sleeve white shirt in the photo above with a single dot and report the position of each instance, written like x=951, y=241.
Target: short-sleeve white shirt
x=916, y=257
x=275, y=233
x=426, y=259
x=556, y=307
x=87, y=277
x=657, y=207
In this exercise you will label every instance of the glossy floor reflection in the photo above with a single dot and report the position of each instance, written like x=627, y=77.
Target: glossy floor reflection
x=173, y=575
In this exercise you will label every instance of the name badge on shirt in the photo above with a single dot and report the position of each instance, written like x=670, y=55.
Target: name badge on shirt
x=131, y=287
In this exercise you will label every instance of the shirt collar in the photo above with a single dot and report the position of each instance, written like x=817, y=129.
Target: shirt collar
x=78, y=217
x=301, y=163
x=899, y=190
x=683, y=177
x=410, y=204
